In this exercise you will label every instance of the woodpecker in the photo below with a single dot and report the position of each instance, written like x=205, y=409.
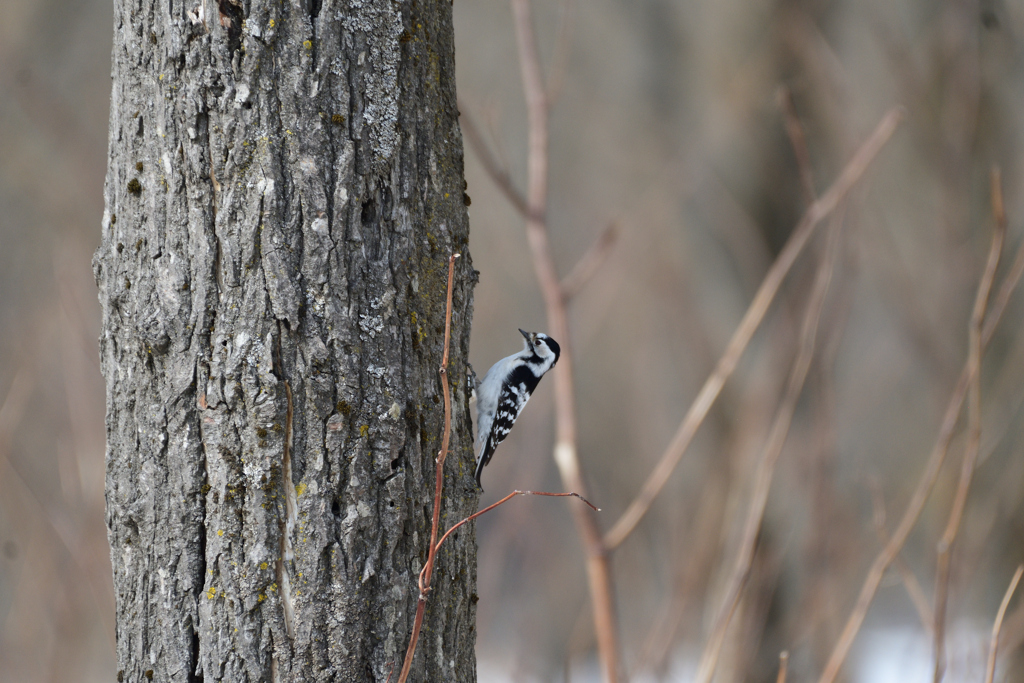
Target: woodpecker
x=506, y=388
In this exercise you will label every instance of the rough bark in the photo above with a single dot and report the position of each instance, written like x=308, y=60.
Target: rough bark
x=284, y=188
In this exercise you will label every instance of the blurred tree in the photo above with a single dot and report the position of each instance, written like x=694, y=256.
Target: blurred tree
x=284, y=186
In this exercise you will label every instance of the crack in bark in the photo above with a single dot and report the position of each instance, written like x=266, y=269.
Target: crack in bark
x=288, y=523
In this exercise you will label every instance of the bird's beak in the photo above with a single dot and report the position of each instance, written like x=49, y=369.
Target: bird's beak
x=528, y=336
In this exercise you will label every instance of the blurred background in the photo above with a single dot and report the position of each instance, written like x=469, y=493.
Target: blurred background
x=667, y=124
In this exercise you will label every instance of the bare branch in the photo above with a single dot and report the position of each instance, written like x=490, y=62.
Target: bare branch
x=945, y=549
x=1012, y=278
x=783, y=666
x=749, y=324
x=505, y=500
x=598, y=568
x=799, y=142
x=560, y=62
x=993, y=645
x=910, y=582
x=14, y=402
x=924, y=485
x=498, y=174
x=696, y=551
x=588, y=264
x=770, y=455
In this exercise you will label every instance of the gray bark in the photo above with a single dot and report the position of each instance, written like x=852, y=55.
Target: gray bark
x=284, y=187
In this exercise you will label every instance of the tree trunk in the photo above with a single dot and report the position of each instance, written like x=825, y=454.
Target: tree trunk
x=284, y=188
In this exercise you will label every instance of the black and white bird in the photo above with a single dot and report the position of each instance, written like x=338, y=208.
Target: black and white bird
x=506, y=388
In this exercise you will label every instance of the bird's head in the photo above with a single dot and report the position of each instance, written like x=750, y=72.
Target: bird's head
x=542, y=345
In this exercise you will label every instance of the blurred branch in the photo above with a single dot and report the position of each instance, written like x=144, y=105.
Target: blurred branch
x=1013, y=631
x=579, y=638
x=588, y=264
x=695, y=555
x=428, y=569
x=661, y=634
x=817, y=211
x=14, y=404
x=560, y=61
x=598, y=568
x=822, y=72
x=925, y=483
x=783, y=666
x=798, y=140
x=1003, y=296
x=498, y=174
x=970, y=459
x=898, y=284
x=63, y=522
x=993, y=646
x=909, y=77
x=910, y=582
x=770, y=455
x=71, y=305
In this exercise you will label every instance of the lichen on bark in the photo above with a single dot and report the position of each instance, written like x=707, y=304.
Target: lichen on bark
x=287, y=185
